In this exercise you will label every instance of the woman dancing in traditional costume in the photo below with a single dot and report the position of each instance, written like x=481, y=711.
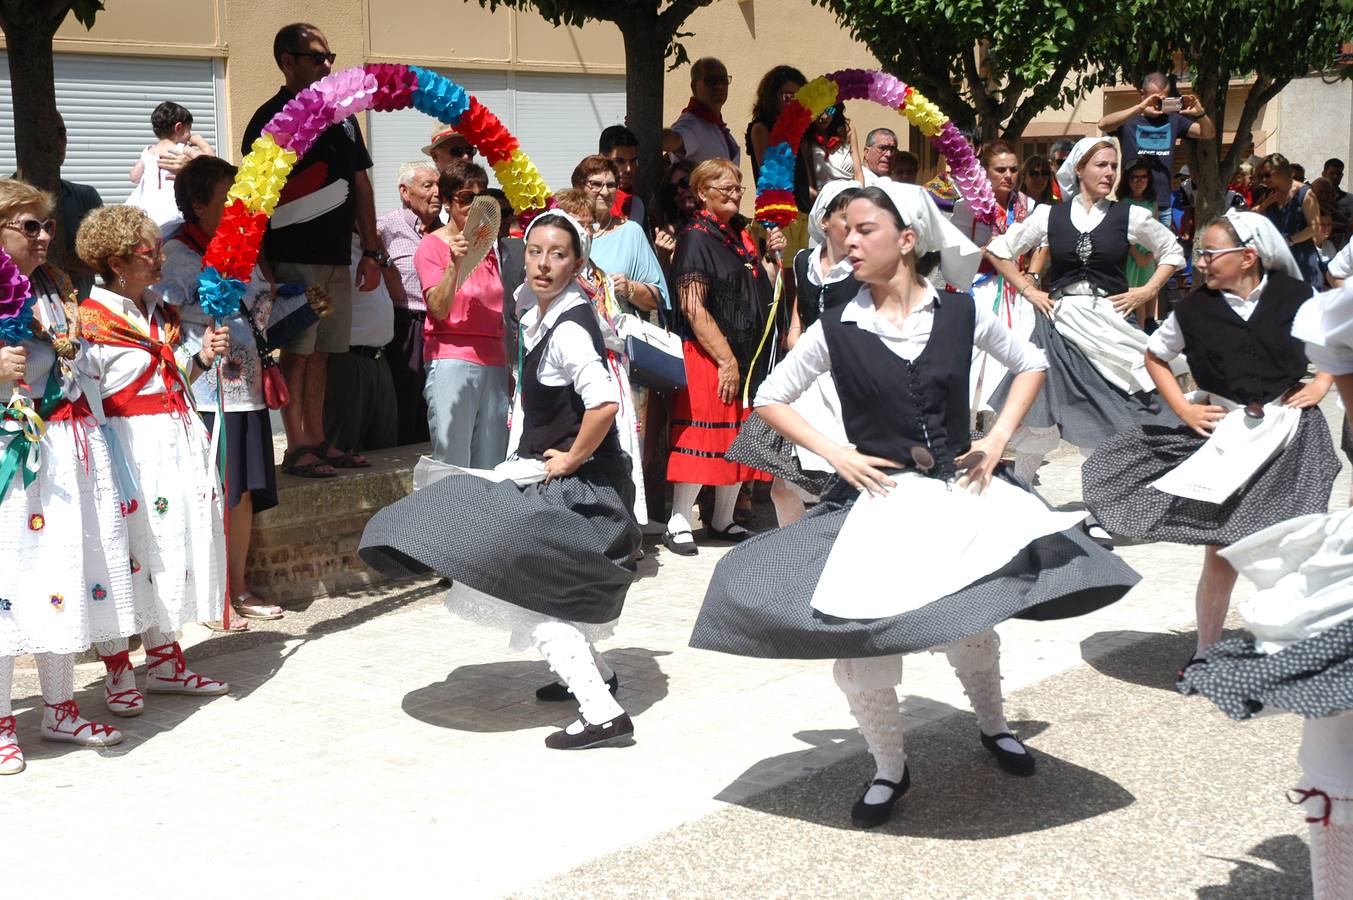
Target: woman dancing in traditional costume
x=67, y=581
x=174, y=521
x=551, y=559
x=1253, y=449
x=1097, y=383
x=916, y=546
x=1301, y=656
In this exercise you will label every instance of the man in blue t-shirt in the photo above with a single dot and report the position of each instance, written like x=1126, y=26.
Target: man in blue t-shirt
x=1148, y=133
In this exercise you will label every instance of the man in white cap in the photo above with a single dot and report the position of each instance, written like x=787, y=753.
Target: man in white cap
x=446, y=146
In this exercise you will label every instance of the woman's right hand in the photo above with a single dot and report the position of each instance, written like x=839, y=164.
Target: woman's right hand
x=863, y=472
x=1041, y=300
x=729, y=380
x=664, y=241
x=459, y=247
x=1202, y=417
x=13, y=362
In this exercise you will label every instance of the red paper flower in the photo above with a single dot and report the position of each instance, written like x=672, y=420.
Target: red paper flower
x=791, y=124
x=483, y=129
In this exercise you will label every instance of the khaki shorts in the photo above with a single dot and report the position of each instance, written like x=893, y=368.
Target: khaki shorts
x=332, y=333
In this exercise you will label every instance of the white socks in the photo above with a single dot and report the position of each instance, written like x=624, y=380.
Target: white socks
x=725, y=503
x=110, y=648
x=789, y=506
x=1331, y=861
x=56, y=674
x=977, y=663
x=571, y=658
x=6, y=685
x=870, y=686
x=603, y=669
x=683, y=506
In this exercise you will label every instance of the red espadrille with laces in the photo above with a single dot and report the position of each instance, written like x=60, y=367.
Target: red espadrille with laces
x=119, y=686
x=61, y=722
x=11, y=757
x=168, y=673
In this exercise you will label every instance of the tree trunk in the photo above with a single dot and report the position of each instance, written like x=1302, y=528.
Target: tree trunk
x=36, y=122
x=1205, y=162
x=644, y=62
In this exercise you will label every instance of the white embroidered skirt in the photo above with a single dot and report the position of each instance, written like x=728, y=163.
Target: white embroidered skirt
x=68, y=578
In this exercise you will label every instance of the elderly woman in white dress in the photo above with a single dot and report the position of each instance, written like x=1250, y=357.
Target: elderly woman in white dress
x=66, y=582
x=1098, y=385
x=174, y=522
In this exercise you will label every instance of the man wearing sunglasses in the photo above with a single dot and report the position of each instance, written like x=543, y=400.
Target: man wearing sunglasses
x=446, y=146
x=700, y=133
x=327, y=196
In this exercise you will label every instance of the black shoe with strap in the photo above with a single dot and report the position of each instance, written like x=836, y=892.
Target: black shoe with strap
x=1011, y=761
x=872, y=815
x=618, y=730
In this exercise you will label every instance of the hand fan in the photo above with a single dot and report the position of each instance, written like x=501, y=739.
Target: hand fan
x=481, y=231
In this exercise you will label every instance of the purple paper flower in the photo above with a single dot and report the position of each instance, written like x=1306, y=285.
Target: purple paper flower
x=16, y=302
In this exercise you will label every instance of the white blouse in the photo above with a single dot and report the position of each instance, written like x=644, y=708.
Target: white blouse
x=1143, y=228
x=116, y=367
x=1167, y=341
x=571, y=358
x=810, y=357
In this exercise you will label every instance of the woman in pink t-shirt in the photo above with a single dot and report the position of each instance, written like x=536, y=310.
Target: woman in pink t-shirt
x=467, y=377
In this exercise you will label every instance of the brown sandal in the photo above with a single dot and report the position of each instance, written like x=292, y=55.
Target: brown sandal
x=310, y=469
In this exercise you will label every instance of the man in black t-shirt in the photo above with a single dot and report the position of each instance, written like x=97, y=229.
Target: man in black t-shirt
x=309, y=240
x=1147, y=133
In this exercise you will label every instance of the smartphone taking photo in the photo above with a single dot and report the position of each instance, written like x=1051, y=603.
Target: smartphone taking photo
x=1171, y=104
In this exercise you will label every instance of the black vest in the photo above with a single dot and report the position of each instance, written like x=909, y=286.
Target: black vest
x=1098, y=256
x=553, y=415
x=812, y=299
x=1251, y=361
x=890, y=405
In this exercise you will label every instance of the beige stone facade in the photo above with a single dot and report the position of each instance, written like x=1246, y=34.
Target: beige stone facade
x=748, y=35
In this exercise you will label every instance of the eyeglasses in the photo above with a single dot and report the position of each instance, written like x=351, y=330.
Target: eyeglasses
x=31, y=227
x=317, y=57
x=684, y=184
x=600, y=187
x=884, y=148
x=465, y=197
x=729, y=192
x=1210, y=254
x=718, y=81
x=149, y=252
x=461, y=151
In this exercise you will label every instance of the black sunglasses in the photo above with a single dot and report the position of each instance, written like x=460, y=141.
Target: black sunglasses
x=315, y=56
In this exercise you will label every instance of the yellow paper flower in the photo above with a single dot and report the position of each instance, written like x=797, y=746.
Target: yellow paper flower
x=817, y=95
x=262, y=175
x=924, y=114
x=521, y=182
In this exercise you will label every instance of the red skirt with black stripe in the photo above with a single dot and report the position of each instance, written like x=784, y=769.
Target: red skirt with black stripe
x=703, y=427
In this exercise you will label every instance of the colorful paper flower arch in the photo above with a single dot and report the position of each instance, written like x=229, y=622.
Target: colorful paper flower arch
x=775, y=188
x=289, y=135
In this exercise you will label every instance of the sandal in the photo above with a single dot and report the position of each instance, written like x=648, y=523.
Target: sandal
x=237, y=625
x=340, y=459
x=316, y=469
x=249, y=606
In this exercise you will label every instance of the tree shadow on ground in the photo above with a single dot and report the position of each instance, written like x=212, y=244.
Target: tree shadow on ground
x=500, y=696
x=1250, y=881
x=957, y=791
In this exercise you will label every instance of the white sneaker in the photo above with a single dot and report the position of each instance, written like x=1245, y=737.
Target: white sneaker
x=168, y=673
x=61, y=722
x=120, y=694
x=11, y=757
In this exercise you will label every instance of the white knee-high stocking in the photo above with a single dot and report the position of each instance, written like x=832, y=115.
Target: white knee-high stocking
x=725, y=503
x=789, y=506
x=570, y=657
x=874, y=706
x=6, y=686
x=977, y=663
x=110, y=648
x=1331, y=861
x=603, y=668
x=683, y=506
x=56, y=674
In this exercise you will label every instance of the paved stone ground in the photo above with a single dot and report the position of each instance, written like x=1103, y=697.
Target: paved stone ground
x=373, y=744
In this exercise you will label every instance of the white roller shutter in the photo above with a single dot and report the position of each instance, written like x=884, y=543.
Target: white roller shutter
x=557, y=119
x=106, y=102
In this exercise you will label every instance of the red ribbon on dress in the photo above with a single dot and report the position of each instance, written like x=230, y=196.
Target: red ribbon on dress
x=99, y=326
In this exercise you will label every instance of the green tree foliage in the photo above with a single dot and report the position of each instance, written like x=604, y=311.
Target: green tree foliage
x=1266, y=43
x=993, y=64
x=651, y=30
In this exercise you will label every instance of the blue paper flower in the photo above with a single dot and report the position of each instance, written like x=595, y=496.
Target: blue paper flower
x=220, y=297
x=439, y=96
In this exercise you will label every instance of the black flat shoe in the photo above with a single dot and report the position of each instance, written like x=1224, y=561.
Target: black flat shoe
x=728, y=534
x=1096, y=532
x=556, y=692
x=1179, y=676
x=871, y=815
x=619, y=729
x=685, y=548
x=1010, y=762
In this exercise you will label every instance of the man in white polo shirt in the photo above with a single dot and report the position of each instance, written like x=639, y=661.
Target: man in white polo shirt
x=699, y=133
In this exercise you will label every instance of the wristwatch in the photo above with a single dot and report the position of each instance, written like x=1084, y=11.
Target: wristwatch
x=380, y=256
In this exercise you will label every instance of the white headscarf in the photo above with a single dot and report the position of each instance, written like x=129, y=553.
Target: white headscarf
x=959, y=257
x=829, y=192
x=584, y=237
x=1067, y=176
x=1257, y=231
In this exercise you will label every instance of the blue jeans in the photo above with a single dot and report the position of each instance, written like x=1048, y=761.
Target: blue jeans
x=467, y=412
